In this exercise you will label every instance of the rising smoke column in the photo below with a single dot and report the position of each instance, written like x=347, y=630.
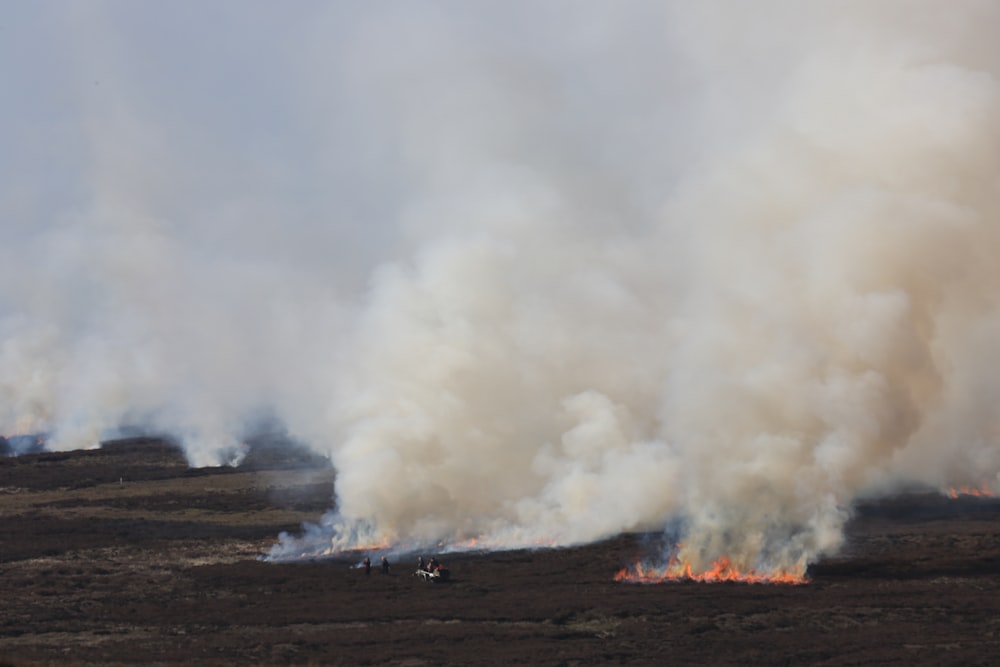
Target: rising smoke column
x=773, y=337
x=527, y=274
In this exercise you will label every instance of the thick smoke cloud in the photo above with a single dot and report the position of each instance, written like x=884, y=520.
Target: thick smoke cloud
x=529, y=274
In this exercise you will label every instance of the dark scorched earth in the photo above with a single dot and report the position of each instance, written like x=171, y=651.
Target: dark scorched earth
x=125, y=555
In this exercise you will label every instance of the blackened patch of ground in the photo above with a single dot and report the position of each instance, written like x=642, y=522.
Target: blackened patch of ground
x=138, y=459
x=162, y=568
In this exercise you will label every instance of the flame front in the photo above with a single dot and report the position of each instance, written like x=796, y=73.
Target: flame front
x=981, y=492
x=721, y=570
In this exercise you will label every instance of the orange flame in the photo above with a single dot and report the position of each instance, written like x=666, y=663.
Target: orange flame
x=470, y=543
x=981, y=492
x=721, y=570
x=350, y=550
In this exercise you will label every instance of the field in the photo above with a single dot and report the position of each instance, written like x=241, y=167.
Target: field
x=124, y=555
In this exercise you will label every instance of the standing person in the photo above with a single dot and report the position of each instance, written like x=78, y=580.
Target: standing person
x=385, y=565
x=420, y=564
x=368, y=566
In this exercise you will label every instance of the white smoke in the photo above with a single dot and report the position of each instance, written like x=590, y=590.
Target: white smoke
x=529, y=274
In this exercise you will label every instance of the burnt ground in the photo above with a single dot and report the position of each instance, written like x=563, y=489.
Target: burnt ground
x=124, y=555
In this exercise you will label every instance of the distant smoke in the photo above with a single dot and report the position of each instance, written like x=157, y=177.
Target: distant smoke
x=528, y=274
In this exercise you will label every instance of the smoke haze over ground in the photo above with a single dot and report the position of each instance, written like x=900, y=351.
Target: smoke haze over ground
x=527, y=272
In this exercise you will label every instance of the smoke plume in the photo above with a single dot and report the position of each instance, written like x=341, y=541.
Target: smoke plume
x=528, y=274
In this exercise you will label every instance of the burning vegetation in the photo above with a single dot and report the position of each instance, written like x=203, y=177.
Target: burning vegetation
x=954, y=492
x=721, y=570
x=525, y=316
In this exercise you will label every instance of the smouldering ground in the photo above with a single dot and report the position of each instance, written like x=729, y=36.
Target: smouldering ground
x=161, y=568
